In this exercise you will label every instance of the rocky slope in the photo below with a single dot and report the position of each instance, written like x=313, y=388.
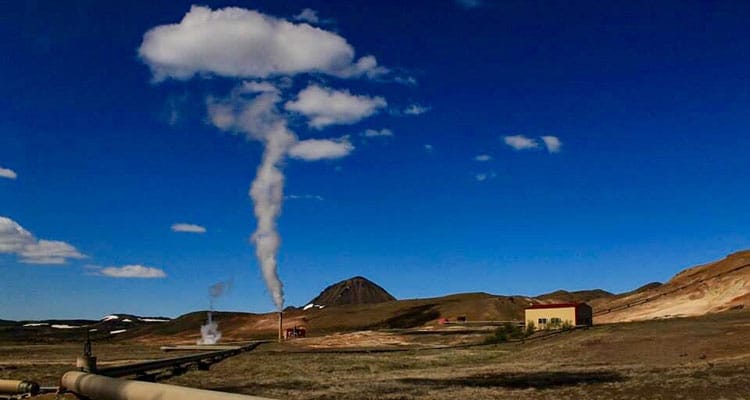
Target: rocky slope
x=709, y=288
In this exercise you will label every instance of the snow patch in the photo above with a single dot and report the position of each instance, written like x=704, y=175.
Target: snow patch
x=153, y=320
x=117, y=331
x=127, y=320
x=61, y=326
x=37, y=324
x=110, y=317
x=311, y=305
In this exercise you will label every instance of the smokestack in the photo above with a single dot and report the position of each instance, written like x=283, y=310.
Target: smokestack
x=281, y=326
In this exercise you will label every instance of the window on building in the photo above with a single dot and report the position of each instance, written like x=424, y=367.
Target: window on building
x=542, y=321
x=556, y=321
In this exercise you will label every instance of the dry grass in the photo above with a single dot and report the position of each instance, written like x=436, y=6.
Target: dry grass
x=476, y=373
x=696, y=358
x=47, y=363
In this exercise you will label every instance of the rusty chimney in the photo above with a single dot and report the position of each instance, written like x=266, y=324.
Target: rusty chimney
x=281, y=326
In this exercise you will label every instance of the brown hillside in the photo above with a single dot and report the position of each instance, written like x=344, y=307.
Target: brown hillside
x=399, y=314
x=351, y=306
x=704, y=289
x=357, y=290
x=581, y=296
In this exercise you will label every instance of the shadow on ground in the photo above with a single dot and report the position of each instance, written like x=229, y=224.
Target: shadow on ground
x=537, y=380
x=413, y=317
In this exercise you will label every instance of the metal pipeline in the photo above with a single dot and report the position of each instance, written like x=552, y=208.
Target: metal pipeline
x=103, y=388
x=281, y=326
x=10, y=386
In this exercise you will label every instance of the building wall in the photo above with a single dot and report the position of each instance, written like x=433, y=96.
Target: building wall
x=564, y=314
x=584, y=315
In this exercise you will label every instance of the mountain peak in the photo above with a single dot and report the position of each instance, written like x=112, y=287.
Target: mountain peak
x=355, y=290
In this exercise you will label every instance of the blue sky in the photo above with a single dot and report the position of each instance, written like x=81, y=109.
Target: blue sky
x=103, y=149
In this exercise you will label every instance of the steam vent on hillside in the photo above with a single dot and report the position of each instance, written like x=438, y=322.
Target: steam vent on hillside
x=357, y=290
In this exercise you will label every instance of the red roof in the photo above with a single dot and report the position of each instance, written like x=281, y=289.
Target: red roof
x=556, y=305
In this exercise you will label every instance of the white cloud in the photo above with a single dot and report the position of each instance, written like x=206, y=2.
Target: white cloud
x=325, y=106
x=304, y=197
x=406, y=80
x=469, y=3
x=7, y=173
x=320, y=149
x=429, y=148
x=377, y=133
x=48, y=252
x=483, y=176
x=189, y=228
x=416, y=109
x=552, y=143
x=483, y=157
x=132, y=271
x=256, y=87
x=14, y=239
x=241, y=43
x=307, y=15
x=520, y=142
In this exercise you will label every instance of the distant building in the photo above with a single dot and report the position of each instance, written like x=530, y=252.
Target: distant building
x=296, y=332
x=554, y=316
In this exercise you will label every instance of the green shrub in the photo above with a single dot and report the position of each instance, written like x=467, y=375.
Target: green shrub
x=530, y=328
x=507, y=331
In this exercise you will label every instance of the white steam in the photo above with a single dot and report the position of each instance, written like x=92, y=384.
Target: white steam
x=258, y=119
x=210, y=332
x=252, y=109
x=267, y=194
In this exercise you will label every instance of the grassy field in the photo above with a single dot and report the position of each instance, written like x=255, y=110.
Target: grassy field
x=46, y=363
x=690, y=358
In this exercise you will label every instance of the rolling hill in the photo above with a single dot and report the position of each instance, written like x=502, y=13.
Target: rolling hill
x=359, y=304
x=581, y=296
x=56, y=330
x=709, y=288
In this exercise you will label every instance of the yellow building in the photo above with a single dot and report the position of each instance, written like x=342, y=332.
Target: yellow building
x=554, y=316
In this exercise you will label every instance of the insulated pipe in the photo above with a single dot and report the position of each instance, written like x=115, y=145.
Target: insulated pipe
x=10, y=386
x=104, y=388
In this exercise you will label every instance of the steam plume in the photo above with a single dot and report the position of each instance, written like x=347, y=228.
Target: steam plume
x=210, y=333
x=258, y=119
x=239, y=43
x=267, y=193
